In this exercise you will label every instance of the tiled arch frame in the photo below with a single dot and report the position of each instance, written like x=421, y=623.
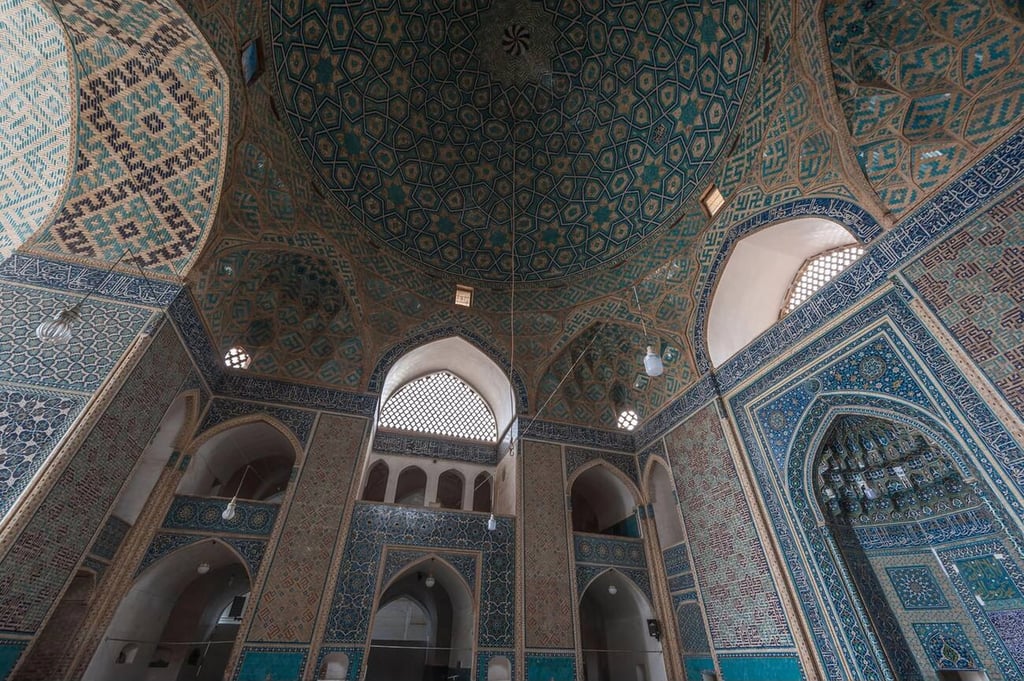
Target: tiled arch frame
x=585, y=579
x=645, y=475
x=259, y=417
x=851, y=216
x=816, y=538
x=630, y=485
x=173, y=544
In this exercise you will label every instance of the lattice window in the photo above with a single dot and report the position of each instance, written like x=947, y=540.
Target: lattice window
x=817, y=272
x=628, y=419
x=237, y=358
x=440, y=404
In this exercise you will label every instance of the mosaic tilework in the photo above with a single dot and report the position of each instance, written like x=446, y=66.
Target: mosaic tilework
x=547, y=594
x=434, y=448
x=375, y=525
x=677, y=411
x=150, y=148
x=629, y=153
x=947, y=646
x=1009, y=625
x=778, y=667
x=306, y=396
x=464, y=564
x=692, y=635
x=550, y=666
x=38, y=111
x=676, y=559
x=287, y=310
x=36, y=568
x=163, y=544
x=695, y=666
x=656, y=448
x=98, y=342
x=576, y=457
x=291, y=597
x=987, y=578
x=955, y=526
x=110, y=538
x=10, y=652
x=967, y=195
x=602, y=550
x=31, y=424
x=744, y=610
x=581, y=436
x=916, y=587
x=204, y=515
x=355, y=660
x=923, y=88
x=221, y=410
x=972, y=281
x=185, y=316
x=483, y=659
x=259, y=663
x=585, y=574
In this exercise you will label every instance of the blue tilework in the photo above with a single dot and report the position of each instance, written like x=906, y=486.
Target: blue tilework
x=375, y=525
x=311, y=397
x=916, y=587
x=183, y=313
x=581, y=436
x=996, y=173
x=757, y=667
x=10, y=653
x=946, y=645
x=693, y=636
x=936, y=530
x=550, y=666
x=23, y=268
x=605, y=550
x=31, y=423
x=434, y=448
x=656, y=448
x=988, y=579
x=680, y=582
x=95, y=565
x=203, y=514
x=676, y=559
x=355, y=660
x=164, y=544
x=259, y=663
x=694, y=666
x=677, y=411
x=465, y=564
x=483, y=659
x=1009, y=626
x=585, y=574
x=221, y=410
x=110, y=538
x=638, y=123
x=576, y=457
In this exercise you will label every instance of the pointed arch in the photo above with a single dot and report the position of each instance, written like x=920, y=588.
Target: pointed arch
x=660, y=493
x=603, y=500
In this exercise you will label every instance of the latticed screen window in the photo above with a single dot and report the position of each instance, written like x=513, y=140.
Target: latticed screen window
x=817, y=272
x=440, y=404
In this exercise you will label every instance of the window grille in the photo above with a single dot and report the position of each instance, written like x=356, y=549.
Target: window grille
x=628, y=419
x=817, y=272
x=440, y=404
x=237, y=358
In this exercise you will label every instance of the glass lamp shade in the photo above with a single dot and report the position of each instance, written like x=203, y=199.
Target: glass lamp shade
x=652, y=362
x=612, y=589
x=229, y=511
x=203, y=568
x=57, y=331
x=492, y=524
x=430, y=581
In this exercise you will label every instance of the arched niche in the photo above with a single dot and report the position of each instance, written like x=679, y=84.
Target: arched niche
x=434, y=590
x=412, y=487
x=752, y=287
x=255, y=450
x=465, y=360
x=450, y=487
x=483, y=492
x=334, y=667
x=662, y=494
x=602, y=503
x=154, y=458
x=172, y=609
x=615, y=634
x=499, y=668
x=376, y=486
x=871, y=476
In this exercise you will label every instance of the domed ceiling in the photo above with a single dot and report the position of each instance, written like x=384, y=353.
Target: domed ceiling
x=411, y=115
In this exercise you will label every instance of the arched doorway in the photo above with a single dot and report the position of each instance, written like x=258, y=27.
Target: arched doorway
x=412, y=487
x=885, y=489
x=376, y=486
x=603, y=504
x=251, y=461
x=662, y=494
x=616, y=634
x=179, y=619
x=424, y=627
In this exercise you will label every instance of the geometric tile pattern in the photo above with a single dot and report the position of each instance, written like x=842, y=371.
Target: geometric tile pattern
x=1009, y=625
x=204, y=515
x=947, y=646
x=374, y=526
x=982, y=304
x=988, y=579
x=258, y=663
x=924, y=87
x=586, y=574
x=36, y=108
x=287, y=310
x=615, y=113
x=464, y=564
x=547, y=593
x=35, y=569
x=692, y=634
x=288, y=604
x=608, y=551
x=743, y=607
x=164, y=543
x=151, y=137
x=110, y=538
x=31, y=423
x=355, y=659
x=916, y=587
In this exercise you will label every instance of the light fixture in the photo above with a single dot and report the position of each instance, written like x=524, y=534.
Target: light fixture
x=203, y=568
x=612, y=589
x=231, y=510
x=492, y=523
x=58, y=330
x=430, y=581
x=652, y=360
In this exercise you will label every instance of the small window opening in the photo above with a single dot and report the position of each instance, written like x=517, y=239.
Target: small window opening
x=440, y=404
x=628, y=419
x=712, y=201
x=463, y=295
x=817, y=272
x=237, y=358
